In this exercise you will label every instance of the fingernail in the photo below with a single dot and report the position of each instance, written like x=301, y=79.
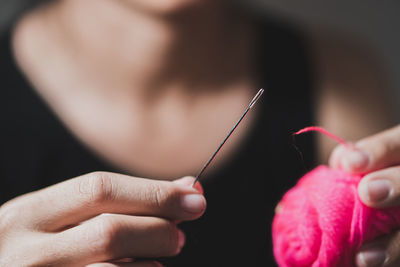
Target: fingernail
x=379, y=190
x=181, y=239
x=193, y=203
x=371, y=258
x=186, y=181
x=355, y=160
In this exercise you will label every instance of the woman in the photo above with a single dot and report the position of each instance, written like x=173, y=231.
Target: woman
x=149, y=89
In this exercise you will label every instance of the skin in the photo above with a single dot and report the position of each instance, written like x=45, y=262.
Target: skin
x=120, y=88
x=164, y=95
x=378, y=156
x=98, y=217
x=351, y=97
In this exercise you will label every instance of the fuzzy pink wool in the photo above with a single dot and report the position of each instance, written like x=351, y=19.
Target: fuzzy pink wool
x=321, y=221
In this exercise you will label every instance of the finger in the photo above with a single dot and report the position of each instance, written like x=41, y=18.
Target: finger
x=381, y=189
x=78, y=199
x=112, y=236
x=124, y=260
x=350, y=158
x=373, y=153
x=382, y=252
x=373, y=253
x=188, y=181
x=133, y=264
x=335, y=160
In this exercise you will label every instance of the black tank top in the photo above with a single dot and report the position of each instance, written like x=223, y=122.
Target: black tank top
x=36, y=150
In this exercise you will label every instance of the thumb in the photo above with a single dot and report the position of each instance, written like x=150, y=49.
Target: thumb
x=188, y=181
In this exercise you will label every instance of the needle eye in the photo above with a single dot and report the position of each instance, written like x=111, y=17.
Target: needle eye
x=251, y=104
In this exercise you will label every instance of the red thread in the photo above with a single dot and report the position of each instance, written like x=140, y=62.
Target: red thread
x=323, y=131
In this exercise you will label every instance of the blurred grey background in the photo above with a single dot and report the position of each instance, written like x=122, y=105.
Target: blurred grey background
x=376, y=22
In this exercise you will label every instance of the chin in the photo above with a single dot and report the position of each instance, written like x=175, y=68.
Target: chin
x=167, y=7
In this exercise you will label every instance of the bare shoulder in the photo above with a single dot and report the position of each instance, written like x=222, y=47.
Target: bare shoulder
x=352, y=96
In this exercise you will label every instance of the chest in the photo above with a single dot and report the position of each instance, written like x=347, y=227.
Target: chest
x=170, y=138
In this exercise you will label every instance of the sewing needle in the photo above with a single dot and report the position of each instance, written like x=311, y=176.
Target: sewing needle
x=250, y=106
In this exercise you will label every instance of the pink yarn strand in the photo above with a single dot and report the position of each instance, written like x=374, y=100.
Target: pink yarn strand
x=323, y=131
x=323, y=222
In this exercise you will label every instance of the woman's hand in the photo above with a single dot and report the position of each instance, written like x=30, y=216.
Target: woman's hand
x=379, y=156
x=98, y=218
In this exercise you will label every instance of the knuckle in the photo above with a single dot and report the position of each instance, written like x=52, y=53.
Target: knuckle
x=104, y=235
x=386, y=147
x=161, y=196
x=96, y=187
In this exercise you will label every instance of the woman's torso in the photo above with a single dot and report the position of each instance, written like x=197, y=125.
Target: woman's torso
x=38, y=150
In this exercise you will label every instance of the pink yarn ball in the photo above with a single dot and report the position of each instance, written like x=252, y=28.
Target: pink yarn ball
x=322, y=222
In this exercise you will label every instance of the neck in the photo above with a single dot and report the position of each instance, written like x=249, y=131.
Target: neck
x=205, y=46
